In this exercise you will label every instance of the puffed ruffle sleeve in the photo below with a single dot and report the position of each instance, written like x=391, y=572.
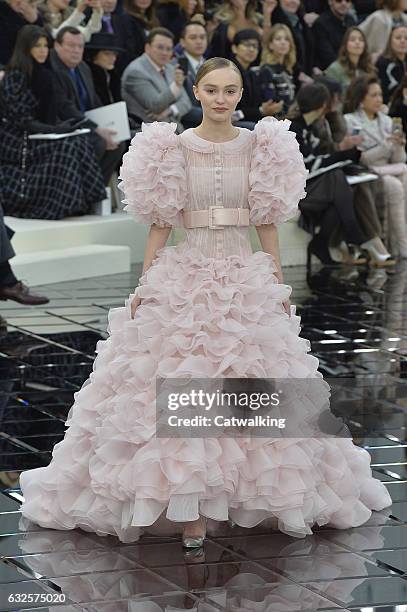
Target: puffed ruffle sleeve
x=277, y=173
x=153, y=177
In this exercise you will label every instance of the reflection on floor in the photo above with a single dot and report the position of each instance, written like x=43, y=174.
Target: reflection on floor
x=357, y=324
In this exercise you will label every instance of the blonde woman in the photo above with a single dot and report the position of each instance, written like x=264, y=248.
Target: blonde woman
x=279, y=71
x=209, y=308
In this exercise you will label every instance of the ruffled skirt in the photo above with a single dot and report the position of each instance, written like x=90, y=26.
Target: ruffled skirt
x=199, y=317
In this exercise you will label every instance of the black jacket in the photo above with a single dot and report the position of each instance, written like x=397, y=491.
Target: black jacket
x=390, y=73
x=251, y=98
x=66, y=94
x=328, y=32
x=302, y=37
x=310, y=147
x=131, y=36
x=107, y=84
x=10, y=24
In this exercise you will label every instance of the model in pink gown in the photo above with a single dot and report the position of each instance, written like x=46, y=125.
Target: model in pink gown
x=210, y=308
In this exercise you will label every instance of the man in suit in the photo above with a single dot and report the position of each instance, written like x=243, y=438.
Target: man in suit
x=193, y=42
x=152, y=87
x=75, y=94
x=10, y=287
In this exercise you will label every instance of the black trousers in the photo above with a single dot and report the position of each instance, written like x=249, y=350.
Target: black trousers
x=108, y=160
x=330, y=197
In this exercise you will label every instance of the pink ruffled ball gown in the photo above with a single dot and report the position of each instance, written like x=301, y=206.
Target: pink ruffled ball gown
x=210, y=308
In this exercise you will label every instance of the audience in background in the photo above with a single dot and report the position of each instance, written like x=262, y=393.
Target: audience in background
x=391, y=66
x=398, y=103
x=383, y=151
x=353, y=59
x=328, y=195
x=174, y=15
x=290, y=13
x=279, y=72
x=75, y=94
x=133, y=26
x=378, y=26
x=41, y=179
x=101, y=54
x=234, y=15
x=152, y=86
x=193, y=43
x=329, y=29
x=57, y=14
x=14, y=14
x=109, y=18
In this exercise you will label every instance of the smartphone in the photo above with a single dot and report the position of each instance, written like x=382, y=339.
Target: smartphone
x=183, y=64
x=397, y=125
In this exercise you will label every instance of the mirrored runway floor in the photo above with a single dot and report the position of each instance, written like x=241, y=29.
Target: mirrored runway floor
x=357, y=324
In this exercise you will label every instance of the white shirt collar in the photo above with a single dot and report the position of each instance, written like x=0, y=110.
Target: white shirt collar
x=194, y=62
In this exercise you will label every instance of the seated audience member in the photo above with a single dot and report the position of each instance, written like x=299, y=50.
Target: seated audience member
x=383, y=152
x=14, y=14
x=233, y=17
x=101, y=54
x=328, y=195
x=329, y=29
x=175, y=14
x=10, y=287
x=332, y=132
x=109, y=18
x=279, y=72
x=398, y=103
x=76, y=94
x=152, y=87
x=57, y=14
x=353, y=60
x=391, y=66
x=378, y=26
x=193, y=41
x=132, y=28
x=364, y=8
x=290, y=13
x=251, y=107
x=41, y=179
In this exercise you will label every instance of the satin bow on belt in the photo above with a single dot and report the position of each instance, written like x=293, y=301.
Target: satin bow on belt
x=216, y=217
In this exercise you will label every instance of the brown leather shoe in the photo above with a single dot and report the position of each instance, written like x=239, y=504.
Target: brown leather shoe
x=21, y=293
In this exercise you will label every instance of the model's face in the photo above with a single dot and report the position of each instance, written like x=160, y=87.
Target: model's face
x=40, y=50
x=373, y=100
x=355, y=44
x=291, y=6
x=160, y=50
x=195, y=40
x=108, y=6
x=70, y=51
x=219, y=93
x=246, y=51
x=106, y=59
x=280, y=44
x=340, y=8
x=399, y=41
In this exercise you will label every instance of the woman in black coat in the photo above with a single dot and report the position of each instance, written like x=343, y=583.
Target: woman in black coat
x=41, y=178
x=13, y=16
x=101, y=54
x=132, y=28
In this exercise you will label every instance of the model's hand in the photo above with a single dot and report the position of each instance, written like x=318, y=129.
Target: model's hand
x=135, y=303
x=108, y=136
x=287, y=307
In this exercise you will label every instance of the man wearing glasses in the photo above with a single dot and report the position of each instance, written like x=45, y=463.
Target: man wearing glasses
x=329, y=29
x=152, y=86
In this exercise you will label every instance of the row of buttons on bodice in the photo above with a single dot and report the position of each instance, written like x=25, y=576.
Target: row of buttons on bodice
x=219, y=233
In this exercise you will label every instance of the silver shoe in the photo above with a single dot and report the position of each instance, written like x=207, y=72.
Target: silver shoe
x=195, y=541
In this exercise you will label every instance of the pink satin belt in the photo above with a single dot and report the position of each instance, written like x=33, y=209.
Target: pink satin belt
x=215, y=217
